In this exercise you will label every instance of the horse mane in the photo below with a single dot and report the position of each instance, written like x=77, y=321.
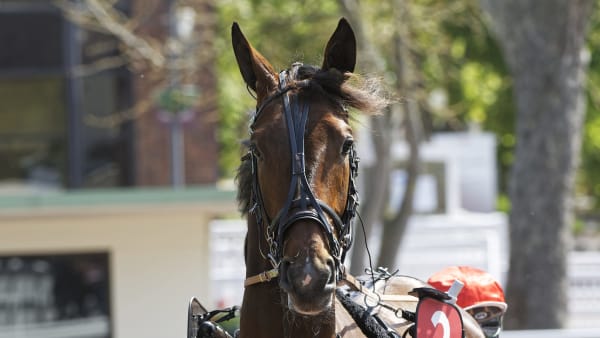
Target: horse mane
x=345, y=89
x=244, y=182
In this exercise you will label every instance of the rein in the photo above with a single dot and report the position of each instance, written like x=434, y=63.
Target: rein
x=301, y=203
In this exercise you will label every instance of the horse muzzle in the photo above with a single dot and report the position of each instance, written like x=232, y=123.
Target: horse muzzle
x=309, y=283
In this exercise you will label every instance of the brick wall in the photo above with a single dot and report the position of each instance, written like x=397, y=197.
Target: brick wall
x=152, y=137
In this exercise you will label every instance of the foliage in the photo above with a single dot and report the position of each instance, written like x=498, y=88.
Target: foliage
x=464, y=77
x=589, y=177
x=468, y=67
x=280, y=30
x=177, y=99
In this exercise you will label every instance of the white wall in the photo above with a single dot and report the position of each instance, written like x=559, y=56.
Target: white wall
x=471, y=173
x=159, y=256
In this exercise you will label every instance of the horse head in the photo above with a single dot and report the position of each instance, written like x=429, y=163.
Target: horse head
x=303, y=166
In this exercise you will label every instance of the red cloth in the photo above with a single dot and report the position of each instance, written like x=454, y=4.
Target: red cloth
x=480, y=288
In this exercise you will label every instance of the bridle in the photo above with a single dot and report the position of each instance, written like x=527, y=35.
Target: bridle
x=301, y=203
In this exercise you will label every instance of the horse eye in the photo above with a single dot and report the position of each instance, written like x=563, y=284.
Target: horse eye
x=347, y=146
x=255, y=151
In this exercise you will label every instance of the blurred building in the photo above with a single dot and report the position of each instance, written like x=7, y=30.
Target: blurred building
x=106, y=263
x=75, y=114
x=66, y=115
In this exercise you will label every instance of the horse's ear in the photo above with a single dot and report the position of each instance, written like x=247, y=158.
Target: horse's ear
x=256, y=70
x=340, y=52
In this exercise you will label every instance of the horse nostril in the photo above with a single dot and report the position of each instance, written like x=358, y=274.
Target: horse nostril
x=283, y=273
x=332, y=270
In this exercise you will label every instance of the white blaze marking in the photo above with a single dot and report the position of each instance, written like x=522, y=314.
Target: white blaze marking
x=306, y=280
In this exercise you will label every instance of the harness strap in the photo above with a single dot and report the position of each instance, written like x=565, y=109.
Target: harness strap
x=262, y=277
x=380, y=299
x=295, y=115
x=365, y=321
x=356, y=285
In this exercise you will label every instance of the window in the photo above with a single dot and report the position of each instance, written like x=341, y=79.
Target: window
x=50, y=294
x=45, y=136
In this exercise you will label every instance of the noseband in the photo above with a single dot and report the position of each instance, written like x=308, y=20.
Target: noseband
x=301, y=203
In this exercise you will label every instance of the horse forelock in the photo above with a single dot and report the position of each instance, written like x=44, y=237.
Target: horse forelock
x=349, y=89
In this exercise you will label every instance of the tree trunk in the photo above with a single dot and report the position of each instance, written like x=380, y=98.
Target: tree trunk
x=395, y=227
x=376, y=181
x=407, y=73
x=543, y=43
x=376, y=178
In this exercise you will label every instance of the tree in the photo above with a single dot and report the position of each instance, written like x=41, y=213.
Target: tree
x=414, y=53
x=377, y=178
x=453, y=52
x=589, y=179
x=168, y=46
x=137, y=51
x=543, y=45
x=138, y=47
x=292, y=27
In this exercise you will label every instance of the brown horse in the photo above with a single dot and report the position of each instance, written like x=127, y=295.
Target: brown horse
x=296, y=187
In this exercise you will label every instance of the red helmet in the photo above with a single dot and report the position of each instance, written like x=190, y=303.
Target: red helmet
x=480, y=288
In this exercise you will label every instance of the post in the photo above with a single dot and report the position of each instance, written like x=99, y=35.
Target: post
x=177, y=158
x=177, y=141
x=72, y=55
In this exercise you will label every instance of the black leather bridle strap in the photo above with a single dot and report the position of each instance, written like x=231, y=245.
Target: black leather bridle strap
x=300, y=196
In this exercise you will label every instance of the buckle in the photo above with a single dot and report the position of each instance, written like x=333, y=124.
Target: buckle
x=268, y=275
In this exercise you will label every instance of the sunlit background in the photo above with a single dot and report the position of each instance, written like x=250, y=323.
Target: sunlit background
x=121, y=129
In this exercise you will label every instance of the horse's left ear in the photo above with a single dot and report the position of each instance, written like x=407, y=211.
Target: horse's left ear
x=340, y=52
x=256, y=70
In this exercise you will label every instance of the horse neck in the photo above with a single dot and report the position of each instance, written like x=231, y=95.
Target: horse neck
x=263, y=314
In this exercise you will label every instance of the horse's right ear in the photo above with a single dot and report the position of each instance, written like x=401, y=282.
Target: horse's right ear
x=340, y=52
x=256, y=70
